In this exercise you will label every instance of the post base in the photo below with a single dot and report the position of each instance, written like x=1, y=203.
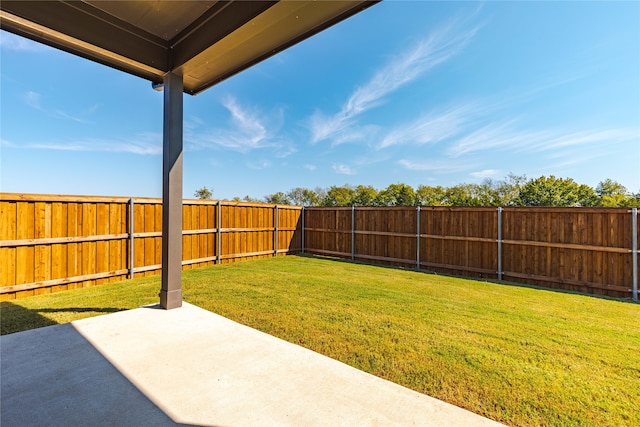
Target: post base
x=171, y=299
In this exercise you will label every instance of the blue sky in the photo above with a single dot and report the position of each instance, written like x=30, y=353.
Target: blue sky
x=435, y=93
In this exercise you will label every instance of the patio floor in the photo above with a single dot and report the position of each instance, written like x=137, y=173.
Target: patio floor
x=188, y=366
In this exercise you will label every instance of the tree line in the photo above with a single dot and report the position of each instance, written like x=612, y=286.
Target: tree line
x=514, y=190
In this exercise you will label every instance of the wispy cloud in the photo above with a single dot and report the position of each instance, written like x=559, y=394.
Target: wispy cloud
x=310, y=167
x=506, y=135
x=439, y=46
x=142, y=144
x=343, y=169
x=487, y=173
x=16, y=43
x=34, y=100
x=247, y=129
x=259, y=165
x=431, y=128
x=438, y=166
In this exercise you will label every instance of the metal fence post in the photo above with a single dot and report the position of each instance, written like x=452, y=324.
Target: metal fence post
x=275, y=232
x=353, y=233
x=634, y=251
x=131, y=231
x=500, y=243
x=218, y=231
x=303, y=229
x=418, y=239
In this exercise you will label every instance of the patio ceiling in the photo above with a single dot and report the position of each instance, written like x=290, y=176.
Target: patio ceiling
x=205, y=41
x=188, y=46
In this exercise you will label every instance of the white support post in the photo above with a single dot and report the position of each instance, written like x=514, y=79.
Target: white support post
x=171, y=292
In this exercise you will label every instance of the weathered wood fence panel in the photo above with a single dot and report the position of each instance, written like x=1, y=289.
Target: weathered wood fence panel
x=459, y=241
x=581, y=249
x=328, y=231
x=50, y=243
x=586, y=250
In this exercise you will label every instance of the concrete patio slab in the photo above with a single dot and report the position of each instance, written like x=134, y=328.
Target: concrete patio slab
x=192, y=367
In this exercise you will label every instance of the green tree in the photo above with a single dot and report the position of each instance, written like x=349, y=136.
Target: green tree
x=365, y=196
x=339, y=196
x=397, y=195
x=303, y=197
x=430, y=196
x=609, y=187
x=278, y=198
x=552, y=191
x=463, y=195
x=508, y=190
x=612, y=194
x=203, y=194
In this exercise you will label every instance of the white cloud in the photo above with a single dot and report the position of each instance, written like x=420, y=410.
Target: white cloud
x=435, y=166
x=430, y=128
x=506, y=136
x=343, y=169
x=142, y=144
x=495, y=135
x=259, y=165
x=248, y=129
x=310, y=167
x=16, y=43
x=442, y=44
x=485, y=173
x=34, y=100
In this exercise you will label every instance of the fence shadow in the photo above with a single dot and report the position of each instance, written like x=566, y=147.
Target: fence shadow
x=16, y=318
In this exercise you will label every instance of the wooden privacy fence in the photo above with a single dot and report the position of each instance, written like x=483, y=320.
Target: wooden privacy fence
x=50, y=243
x=581, y=249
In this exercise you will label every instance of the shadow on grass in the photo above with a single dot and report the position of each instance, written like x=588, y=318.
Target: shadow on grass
x=15, y=318
x=477, y=279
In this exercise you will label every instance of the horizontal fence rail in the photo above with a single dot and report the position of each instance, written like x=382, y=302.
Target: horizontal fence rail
x=51, y=243
x=578, y=249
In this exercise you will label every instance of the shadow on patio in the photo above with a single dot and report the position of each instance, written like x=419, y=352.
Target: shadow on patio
x=190, y=366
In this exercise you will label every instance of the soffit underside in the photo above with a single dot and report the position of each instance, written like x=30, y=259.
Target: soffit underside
x=205, y=41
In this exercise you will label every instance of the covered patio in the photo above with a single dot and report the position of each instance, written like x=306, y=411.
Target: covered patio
x=150, y=366
x=189, y=366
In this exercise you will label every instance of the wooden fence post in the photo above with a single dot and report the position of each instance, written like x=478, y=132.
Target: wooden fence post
x=219, y=231
x=418, y=238
x=353, y=233
x=634, y=252
x=275, y=232
x=500, y=243
x=302, y=229
x=131, y=231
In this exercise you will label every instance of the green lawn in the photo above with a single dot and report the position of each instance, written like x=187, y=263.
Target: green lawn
x=518, y=355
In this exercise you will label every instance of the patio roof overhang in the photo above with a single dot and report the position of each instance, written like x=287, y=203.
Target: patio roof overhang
x=206, y=41
x=188, y=46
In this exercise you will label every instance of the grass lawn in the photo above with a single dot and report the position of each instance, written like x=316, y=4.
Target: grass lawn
x=518, y=355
